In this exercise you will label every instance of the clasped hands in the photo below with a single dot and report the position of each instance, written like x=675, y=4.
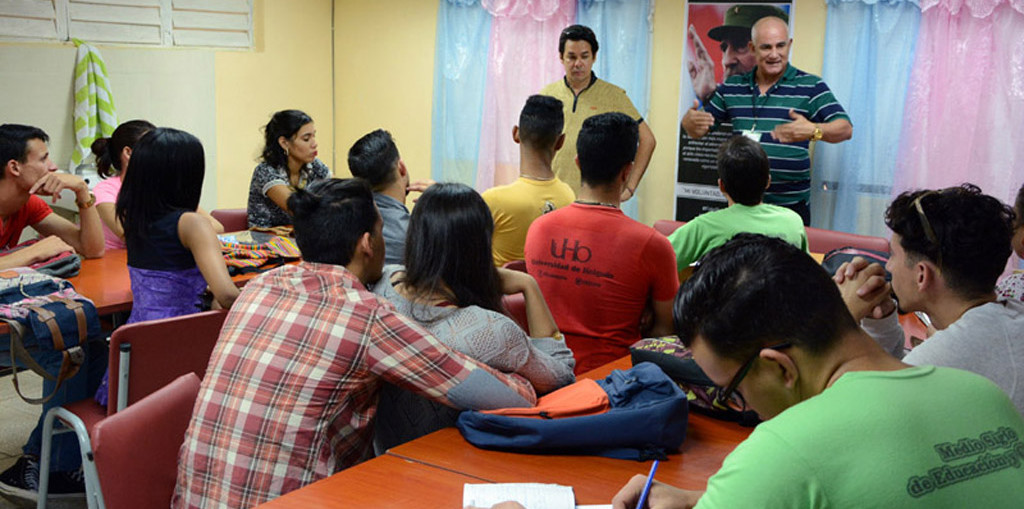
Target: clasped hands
x=864, y=289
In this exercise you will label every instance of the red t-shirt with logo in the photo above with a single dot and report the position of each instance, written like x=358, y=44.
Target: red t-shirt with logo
x=34, y=210
x=597, y=269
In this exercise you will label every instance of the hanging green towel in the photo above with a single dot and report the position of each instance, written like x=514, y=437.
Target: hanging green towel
x=94, y=115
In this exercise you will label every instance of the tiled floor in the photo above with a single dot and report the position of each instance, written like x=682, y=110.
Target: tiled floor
x=17, y=419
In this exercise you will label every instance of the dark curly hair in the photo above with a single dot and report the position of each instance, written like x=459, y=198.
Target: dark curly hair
x=284, y=123
x=962, y=231
x=1018, y=208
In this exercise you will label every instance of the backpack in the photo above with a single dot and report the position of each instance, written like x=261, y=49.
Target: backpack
x=677, y=362
x=637, y=414
x=45, y=313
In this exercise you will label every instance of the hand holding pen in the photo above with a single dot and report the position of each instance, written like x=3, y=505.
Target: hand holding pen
x=643, y=492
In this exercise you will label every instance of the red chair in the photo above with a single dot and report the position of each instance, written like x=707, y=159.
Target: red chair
x=823, y=241
x=234, y=220
x=515, y=307
x=519, y=265
x=667, y=226
x=136, y=450
x=144, y=357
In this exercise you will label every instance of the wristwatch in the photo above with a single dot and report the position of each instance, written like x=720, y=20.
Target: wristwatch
x=817, y=133
x=90, y=203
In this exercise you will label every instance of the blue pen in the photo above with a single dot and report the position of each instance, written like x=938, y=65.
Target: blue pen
x=647, y=487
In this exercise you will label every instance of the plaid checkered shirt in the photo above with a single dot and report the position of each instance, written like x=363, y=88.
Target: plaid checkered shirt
x=291, y=390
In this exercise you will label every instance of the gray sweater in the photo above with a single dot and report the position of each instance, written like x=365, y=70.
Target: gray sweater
x=987, y=340
x=487, y=336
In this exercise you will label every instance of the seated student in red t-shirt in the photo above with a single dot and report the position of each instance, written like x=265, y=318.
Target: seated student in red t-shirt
x=27, y=174
x=598, y=269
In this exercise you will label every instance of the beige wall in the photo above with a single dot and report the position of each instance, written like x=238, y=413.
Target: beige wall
x=171, y=88
x=221, y=96
x=387, y=80
x=289, y=67
x=384, y=56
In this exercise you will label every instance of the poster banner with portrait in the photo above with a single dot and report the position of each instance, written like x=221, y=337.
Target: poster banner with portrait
x=715, y=48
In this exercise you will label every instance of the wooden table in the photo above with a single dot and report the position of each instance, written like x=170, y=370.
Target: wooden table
x=386, y=481
x=594, y=479
x=430, y=471
x=105, y=281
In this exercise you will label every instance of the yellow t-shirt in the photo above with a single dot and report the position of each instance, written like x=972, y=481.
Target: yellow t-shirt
x=515, y=206
x=599, y=97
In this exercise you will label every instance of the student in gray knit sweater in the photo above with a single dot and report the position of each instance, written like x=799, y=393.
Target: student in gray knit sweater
x=450, y=285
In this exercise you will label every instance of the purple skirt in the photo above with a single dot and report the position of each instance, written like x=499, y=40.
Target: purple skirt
x=160, y=294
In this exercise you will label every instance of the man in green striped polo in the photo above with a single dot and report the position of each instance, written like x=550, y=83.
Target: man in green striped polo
x=783, y=108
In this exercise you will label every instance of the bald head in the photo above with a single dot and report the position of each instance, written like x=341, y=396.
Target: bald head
x=768, y=23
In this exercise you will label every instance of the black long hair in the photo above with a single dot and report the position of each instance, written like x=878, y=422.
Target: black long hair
x=449, y=244
x=166, y=174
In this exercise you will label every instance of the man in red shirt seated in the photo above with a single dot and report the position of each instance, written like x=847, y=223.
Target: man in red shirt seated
x=29, y=173
x=598, y=269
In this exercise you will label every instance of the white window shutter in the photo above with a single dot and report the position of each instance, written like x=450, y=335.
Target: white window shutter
x=206, y=23
x=29, y=19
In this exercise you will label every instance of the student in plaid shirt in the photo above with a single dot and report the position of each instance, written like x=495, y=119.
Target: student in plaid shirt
x=291, y=390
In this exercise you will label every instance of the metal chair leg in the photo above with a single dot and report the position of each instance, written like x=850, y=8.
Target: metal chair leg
x=93, y=493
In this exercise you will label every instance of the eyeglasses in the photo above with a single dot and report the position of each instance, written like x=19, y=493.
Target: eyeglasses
x=722, y=398
x=928, y=231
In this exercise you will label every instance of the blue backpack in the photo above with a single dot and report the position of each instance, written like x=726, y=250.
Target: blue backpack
x=645, y=419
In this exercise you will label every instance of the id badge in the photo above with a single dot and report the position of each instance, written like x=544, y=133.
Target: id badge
x=753, y=135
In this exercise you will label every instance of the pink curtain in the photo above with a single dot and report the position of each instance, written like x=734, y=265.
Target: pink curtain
x=521, y=30
x=964, y=115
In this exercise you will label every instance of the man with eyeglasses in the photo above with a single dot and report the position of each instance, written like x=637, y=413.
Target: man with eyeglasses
x=847, y=424
x=948, y=249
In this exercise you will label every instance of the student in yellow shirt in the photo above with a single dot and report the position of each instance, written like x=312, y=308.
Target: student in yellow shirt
x=537, y=191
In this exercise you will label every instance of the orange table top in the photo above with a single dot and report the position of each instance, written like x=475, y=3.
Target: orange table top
x=383, y=482
x=105, y=281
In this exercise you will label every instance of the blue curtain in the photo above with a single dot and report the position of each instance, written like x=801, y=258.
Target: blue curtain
x=869, y=51
x=623, y=28
x=460, y=73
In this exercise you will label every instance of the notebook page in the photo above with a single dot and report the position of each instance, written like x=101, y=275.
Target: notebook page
x=531, y=495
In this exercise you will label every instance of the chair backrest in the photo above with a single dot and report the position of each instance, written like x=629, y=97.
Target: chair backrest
x=162, y=350
x=519, y=265
x=823, y=241
x=667, y=226
x=136, y=449
x=233, y=219
x=515, y=306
